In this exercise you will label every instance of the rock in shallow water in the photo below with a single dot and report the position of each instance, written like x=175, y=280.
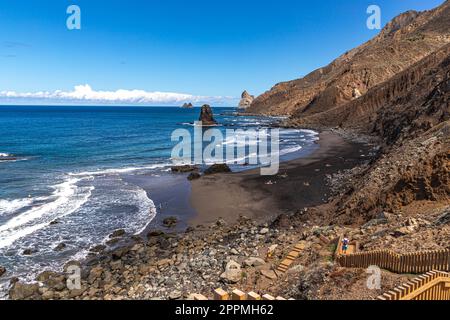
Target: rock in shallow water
x=170, y=222
x=218, y=168
x=206, y=116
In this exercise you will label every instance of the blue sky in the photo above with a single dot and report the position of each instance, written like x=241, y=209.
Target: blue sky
x=207, y=49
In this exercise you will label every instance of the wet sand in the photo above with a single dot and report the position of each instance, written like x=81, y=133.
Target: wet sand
x=300, y=183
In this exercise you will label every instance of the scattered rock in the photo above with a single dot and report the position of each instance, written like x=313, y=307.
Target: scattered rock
x=184, y=169
x=20, y=291
x=270, y=274
x=264, y=231
x=117, y=234
x=217, y=168
x=95, y=274
x=175, y=295
x=232, y=272
x=170, y=222
x=194, y=176
x=97, y=249
x=60, y=247
x=403, y=231
x=155, y=233
x=29, y=252
x=254, y=262
x=45, y=275
x=295, y=269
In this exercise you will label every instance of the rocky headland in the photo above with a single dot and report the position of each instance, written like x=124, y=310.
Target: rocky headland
x=246, y=100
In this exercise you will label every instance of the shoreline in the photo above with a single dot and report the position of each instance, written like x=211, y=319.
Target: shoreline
x=250, y=202
x=299, y=184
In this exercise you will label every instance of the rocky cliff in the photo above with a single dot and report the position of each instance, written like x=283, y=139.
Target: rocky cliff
x=413, y=121
x=404, y=41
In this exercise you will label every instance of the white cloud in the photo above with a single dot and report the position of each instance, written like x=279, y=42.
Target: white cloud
x=85, y=94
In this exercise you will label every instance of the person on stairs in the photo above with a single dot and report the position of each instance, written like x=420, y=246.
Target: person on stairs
x=345, y=243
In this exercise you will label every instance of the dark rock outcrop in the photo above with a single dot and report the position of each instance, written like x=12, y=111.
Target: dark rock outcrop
x=29, y=252
x=206, y=116
x=217, y=168
x=117, y=233
x=194, y=176
x=170, y=222
x=60, y=247
x=184, y=169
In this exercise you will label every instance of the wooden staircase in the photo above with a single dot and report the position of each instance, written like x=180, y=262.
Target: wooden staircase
x=434, y=285
x=290, y=258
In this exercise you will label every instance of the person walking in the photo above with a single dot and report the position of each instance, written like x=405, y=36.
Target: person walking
x=345, y=243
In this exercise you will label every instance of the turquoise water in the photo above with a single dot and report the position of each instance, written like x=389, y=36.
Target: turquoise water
x=68, y=164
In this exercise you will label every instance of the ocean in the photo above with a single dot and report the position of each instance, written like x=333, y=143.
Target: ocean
x=65, y=174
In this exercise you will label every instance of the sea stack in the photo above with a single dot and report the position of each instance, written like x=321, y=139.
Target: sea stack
x=187, y=105
x=246, y=100
x=206, y=116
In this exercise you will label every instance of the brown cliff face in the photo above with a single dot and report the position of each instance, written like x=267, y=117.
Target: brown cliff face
x=414, y=165
x=363, y=113
x=404, y=41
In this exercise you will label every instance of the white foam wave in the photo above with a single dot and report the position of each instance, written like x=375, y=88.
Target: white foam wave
x=66, y=199
x=11, y=206
x=119, y=170
x=290, y=150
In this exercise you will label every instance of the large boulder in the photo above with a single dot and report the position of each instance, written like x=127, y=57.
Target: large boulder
x=254, y=262
x=232, y=273
x=20, y=291
x=246, y=100
x=206, y=116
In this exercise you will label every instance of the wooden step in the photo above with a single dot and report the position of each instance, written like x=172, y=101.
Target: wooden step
x=293, y=255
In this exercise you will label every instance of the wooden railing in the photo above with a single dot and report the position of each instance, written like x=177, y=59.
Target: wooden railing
x=434, y=285
x=417, y=262
x=236, y=295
